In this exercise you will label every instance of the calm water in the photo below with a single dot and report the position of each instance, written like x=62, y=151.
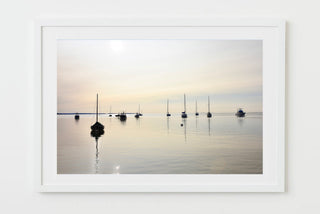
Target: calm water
x=155, y=144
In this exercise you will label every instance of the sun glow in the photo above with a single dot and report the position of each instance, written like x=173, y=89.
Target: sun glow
x=116, y=45
x=127, y=73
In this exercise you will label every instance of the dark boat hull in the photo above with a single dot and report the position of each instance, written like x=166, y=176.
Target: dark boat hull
x=209, y=115
x=239, y=114
x=97, y=126
x=184, y=115
x=97, y=132
x=123, y=117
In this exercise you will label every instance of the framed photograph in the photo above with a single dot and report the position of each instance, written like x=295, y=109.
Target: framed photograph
x=160, y=105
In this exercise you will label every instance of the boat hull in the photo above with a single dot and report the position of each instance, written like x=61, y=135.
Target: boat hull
x=238, y=114
x=97, y=126
x=123, y=117
x=209, y=115
x=184, y=115
x=97, y=132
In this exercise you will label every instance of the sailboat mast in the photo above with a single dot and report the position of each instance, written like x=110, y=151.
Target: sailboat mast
x=97, y=110
x=167, y=106
x=208, y=104
x=184, y=102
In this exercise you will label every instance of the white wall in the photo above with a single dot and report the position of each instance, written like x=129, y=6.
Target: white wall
x=303, y=105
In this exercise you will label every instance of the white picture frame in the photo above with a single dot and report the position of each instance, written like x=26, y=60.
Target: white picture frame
x=272, y=31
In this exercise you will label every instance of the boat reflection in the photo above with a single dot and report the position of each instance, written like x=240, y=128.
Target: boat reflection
x=97, y=157
x=97, y=134
x=138, y=122
x=123, y=118
x=240, y=121
x=184, y=122
x=197, y=124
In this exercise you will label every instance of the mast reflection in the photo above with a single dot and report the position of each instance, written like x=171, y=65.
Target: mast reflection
x=240, y=121
x=197, y=123
x=209, y=126
x=97, y=135
x=184, y=122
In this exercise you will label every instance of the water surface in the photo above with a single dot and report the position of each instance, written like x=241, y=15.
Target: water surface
x=155, y=144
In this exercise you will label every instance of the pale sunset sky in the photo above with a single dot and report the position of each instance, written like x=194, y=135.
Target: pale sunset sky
x=126, y=73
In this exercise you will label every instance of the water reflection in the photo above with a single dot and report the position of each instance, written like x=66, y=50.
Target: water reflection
x=209, y=126
x=97, y=157
x=97, y=134
x=116, y=169
x=138, y=119
x=195, y=145
x=197, y=123
x=240, y=121
x=184, y=122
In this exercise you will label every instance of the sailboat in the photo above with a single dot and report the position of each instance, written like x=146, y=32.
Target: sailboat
x=110, y=115
x=209, y=113
x=197, y=108
x=77, y=116
x=168, y=114
x=97, y=128
x=123, y=116
x=240, y=113
x=184, y=114
x=137, y=115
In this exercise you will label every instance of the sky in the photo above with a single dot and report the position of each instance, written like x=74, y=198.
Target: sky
x=129, y=73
